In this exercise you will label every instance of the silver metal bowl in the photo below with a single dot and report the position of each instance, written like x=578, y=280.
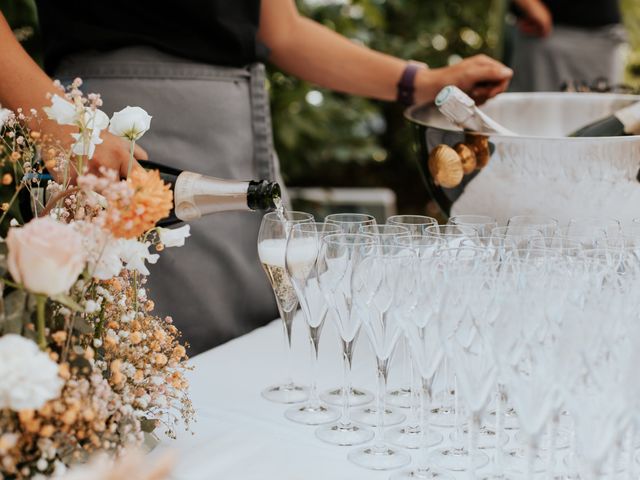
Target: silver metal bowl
x=540, y=171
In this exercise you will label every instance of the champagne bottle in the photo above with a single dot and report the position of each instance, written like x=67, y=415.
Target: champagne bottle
x=462, y=110
x=625, y=121
x=194, y=195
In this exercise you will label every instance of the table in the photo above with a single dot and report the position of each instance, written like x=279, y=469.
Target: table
x=241, y=436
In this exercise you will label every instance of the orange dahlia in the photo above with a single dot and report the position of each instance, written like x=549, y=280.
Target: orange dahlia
x=146, y=201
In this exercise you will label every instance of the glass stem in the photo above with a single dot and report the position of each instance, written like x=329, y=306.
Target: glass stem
x=499, y=432
x=532, y=451
x=347, y=353
x=474, y=428
x=314, y=399
x=553, y=438
x=287, y=323
x=615, y=459
x=414, y=420
x=630, y=454
x=381, y=401
x=425, y=406
x=457, y=432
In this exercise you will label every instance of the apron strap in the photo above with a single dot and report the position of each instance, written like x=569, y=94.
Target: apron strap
x=261, y=122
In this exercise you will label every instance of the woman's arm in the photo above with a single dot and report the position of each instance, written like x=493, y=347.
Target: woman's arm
x=314, y=53
x=24, y=85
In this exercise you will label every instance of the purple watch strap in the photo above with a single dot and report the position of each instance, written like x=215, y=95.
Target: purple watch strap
x=406, y=85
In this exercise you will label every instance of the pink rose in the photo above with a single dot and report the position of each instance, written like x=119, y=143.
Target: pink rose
x=45, y=256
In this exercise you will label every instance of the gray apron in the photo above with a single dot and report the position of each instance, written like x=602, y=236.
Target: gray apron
x=211, y=120
x=568, y=54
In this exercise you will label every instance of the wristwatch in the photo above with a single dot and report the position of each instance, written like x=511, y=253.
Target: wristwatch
x=406, y=85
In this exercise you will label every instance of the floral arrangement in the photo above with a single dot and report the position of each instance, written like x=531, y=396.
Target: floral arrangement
x=85, y=365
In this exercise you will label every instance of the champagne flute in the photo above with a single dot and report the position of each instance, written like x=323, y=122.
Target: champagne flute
x=338, y=256
x=547, y=226
x=483, y=224
x=349, y=223
x=379, y=278
x=385, y=236
x=402, y=396
x=415, y=223
x=302, y=252
x=272, y=241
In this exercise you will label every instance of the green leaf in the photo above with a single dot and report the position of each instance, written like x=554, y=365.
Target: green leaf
x=83, y=326
x=68, y=302
x=15, y=313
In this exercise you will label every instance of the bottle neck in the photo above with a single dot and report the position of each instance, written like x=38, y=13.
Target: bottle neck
x=196, y=195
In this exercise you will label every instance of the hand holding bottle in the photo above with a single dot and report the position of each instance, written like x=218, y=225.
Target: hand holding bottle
x=480, y=76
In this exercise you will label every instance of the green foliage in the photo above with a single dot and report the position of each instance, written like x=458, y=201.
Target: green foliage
x=631, y=15
x=325, y=138
x=23, y=19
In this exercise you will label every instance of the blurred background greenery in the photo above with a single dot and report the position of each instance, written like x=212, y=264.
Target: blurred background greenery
x=332, y=140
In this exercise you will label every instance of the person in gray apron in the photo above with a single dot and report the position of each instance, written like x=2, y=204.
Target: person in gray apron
x=196, y=68
x=560, y=41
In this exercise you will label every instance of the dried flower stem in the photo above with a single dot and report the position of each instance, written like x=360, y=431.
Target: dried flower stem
x=40, y=304
x=51, y=203
x=13, y=199
x=133, y=144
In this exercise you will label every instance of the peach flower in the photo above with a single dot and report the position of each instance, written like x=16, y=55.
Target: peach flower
x=148, y=200
x=45, y=256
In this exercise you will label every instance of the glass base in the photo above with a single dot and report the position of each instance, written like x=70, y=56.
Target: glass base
x=420, y=474
x=457, y=459
x=443, y=416
x=286, y=393
x=358, y=397
x=486, y=437
x=510, y=419
x=344, y=435
x=400, y=397
x=369, y=416
x=411, y=437
x=379, y=458
x=312, y=414
x=563, y=440
x=515, y=462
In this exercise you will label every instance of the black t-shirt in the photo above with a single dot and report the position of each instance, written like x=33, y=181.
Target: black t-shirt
x=220, y=32
x=583, y=13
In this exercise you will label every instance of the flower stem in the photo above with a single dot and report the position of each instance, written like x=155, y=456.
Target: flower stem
x=40, y=323
x=133, y=144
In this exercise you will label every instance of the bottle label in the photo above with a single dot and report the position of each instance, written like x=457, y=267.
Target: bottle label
x=183, y=196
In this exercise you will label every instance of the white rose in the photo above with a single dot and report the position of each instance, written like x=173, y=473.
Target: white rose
x=130, y=123
x=174, y=237
x=62, y=111
x=28, y=377
x=86, y=144
x=95, y=119
x=45, y=256
x=135, y=253
x=4, y=116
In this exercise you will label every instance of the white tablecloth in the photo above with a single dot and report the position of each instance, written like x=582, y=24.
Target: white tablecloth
x=241, y=436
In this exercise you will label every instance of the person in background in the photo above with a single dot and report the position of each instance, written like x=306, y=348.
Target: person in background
x=559, y=41
x=197, y=69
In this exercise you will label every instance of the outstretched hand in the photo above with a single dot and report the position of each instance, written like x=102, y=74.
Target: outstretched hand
x=479, y=76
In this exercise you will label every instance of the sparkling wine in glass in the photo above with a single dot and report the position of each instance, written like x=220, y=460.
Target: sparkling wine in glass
x=272, y=241
x=303, y=248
